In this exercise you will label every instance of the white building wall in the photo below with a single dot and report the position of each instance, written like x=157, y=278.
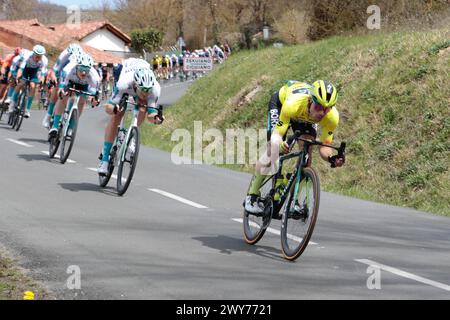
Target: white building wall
x=103, y=39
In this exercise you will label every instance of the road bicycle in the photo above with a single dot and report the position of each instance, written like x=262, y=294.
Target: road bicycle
x=16, y=117
x=67, y=128
x=3, y=107
x=293, y=199
x=125, y=150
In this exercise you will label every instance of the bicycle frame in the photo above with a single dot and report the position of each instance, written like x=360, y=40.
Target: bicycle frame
x=120, y=144
x=303, y=158
x=72, y=104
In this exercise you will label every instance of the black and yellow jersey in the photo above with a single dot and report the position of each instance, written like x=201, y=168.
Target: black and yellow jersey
x=156, y=61
x=294, y=97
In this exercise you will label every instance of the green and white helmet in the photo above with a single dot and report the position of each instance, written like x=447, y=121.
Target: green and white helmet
x=74, y=48
x=39, y=50
x=85, y=60
x=144, y=78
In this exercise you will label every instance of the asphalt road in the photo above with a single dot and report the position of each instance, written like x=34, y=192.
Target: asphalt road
x=147, y=245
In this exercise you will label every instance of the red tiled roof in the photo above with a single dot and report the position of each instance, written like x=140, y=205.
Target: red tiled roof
x=100, y=56
x=86, y=28
x=57, y=37
x=33, y=30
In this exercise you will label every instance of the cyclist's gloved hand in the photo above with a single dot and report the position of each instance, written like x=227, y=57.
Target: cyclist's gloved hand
x=284, y=147
x=157, y=119
x=336, y=161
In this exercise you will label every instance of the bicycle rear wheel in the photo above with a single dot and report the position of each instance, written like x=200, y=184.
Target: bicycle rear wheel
x=299, y=217
x=68, y=138
x=127, y=161
x=255, y=226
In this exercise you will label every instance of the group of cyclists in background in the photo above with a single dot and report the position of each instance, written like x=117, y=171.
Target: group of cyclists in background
x=171, y=64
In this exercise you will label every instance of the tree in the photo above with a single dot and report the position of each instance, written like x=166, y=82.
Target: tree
x=148, y=39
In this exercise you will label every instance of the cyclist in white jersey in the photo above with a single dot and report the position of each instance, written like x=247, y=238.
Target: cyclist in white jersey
x=79, y=75
x=138, y=81
x=33, y=66
x=13, y=74
x=69, y=54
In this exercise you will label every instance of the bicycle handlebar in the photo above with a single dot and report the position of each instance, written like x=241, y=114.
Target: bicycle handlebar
x=296, y=137
x=82, y=92
x=124, y=102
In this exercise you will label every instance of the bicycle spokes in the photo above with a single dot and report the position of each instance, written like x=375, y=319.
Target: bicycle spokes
x=300, y=215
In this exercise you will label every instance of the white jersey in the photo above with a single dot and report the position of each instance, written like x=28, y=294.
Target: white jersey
x=18, y=60
x=125, y=84
x=63, y=60
x=69, y=74
x=28, y=62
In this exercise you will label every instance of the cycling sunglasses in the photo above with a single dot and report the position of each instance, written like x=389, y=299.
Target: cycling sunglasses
x=146, y=90
x=318, y=107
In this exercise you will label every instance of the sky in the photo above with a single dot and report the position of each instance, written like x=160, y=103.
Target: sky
x=81, y=3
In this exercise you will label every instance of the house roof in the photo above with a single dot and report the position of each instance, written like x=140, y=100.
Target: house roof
x=100, y=56
x=86, y=28
x=56, y=36
x=33, y=30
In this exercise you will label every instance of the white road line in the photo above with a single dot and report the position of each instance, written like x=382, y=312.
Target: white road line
x=57, y=156
x=404, y=274
x=20, y=143
x=112, y=176
x=276, y=232
x=175, y=197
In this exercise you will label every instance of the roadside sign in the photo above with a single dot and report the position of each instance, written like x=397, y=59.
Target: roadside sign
x=198, y=64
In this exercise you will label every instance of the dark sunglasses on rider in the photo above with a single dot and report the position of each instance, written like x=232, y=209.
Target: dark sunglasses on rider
x=318, y=107
x=146, y=90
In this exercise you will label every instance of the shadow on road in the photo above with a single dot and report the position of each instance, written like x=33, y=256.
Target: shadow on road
x=43, y=141
x=76, y=187
x=229, y=245
x=35, y=157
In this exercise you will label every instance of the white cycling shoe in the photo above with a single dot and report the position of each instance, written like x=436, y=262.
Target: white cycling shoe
x=253, y=205
x=103, y=168
x=27, y=114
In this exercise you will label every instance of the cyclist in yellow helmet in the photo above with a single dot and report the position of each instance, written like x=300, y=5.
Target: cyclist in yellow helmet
x=303, y=107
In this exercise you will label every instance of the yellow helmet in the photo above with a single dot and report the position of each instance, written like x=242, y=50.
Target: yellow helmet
x=324, y=93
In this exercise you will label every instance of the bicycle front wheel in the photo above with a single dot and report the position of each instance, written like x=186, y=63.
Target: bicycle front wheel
x=300, y=215
x=127, y=161
x=68, y=139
